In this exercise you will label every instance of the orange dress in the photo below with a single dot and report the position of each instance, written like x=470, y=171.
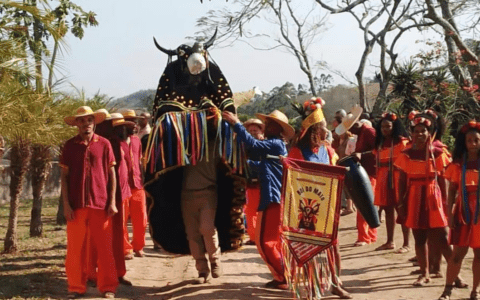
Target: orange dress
x=464, y=234
x=424, y=199
x=385, y=187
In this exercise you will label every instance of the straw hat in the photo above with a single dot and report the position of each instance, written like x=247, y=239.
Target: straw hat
x=130, y=114
x=84, y=111
x=107, y=114
x=315, y=117
x=116, y=116
x=349, y=120
x=254, y=121
x=121, y=121
x=281, y=119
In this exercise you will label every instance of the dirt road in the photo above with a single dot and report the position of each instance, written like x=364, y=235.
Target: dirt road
x=367, y=274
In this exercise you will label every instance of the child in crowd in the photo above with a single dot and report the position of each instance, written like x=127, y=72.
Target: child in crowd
x=391, y=139
x=255, y=127
x=420, y=204
x=463, y=207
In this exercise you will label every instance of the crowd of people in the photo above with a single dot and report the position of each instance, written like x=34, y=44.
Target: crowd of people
x=102, y=189
x=417, y=183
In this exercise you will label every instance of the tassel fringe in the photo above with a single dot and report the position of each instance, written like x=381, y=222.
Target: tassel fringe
x=180, y=139
x=312, y=279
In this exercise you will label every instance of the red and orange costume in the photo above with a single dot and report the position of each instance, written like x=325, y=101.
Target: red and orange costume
x=465, y=233
x=365, y=144
x=424, y=203
x=122, y=192
x=87, y=166
x=135, y=205
x=387, y=178
x=251, y=208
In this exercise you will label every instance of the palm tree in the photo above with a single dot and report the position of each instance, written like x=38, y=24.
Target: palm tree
x=21, y=120
x=40, y=164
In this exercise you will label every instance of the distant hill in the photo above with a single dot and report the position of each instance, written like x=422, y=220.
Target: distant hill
x=140, y=100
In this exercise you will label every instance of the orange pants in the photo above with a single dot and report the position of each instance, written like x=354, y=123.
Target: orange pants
x=136, y=208
x=99, y=225
x=117, y=243
x=251, y=208
x=268, y=239
x=365, y=233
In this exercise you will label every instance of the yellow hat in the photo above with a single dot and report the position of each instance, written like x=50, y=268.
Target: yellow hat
x=107, y=114
x=315, y=117
x=130, y=114
x=254, y=121
x=349, y=120
x=84, y=111
x=116, y=116
x=121, y=121
x=281, y=119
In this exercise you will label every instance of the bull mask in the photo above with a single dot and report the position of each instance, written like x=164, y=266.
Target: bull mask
x=195, y=55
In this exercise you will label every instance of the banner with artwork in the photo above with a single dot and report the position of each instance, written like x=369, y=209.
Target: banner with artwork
x=310, y=214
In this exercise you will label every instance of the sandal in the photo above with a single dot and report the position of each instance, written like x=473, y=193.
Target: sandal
x=359, y=244
x=447, y=293
x=436, y=275
x=403, y=249
x=460, y=284
x=386, y=246
x=421, y=281
x=109, y=295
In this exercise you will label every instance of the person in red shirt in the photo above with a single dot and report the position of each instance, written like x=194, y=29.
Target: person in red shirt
x=363, y=152
x=106, y=130
x=135, y=206
x=88, y=189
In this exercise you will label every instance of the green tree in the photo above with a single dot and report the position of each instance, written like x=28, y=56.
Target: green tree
x=36, y=34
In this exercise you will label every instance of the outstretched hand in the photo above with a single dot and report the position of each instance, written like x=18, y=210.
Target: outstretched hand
x=230, y=117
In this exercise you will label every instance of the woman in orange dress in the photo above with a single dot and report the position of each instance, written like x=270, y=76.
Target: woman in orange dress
x=420, y=204
x=391, y=140
x=464, y=206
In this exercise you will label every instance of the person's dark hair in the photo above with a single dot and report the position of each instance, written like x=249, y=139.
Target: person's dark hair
x=365, y=115
x=437, y=123
x=338, y=119
x=460, y=141
x=304, y=142
x=398, y=130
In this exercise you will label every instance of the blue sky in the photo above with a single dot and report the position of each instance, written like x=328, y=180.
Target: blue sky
x=118, y=57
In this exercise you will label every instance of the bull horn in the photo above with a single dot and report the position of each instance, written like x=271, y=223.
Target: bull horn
x=168, y=52
x=211, y=40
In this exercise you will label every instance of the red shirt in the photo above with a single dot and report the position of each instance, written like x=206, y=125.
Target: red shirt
x=135, y=153
x=366, y=142
x=88, y=170
x=120, y=148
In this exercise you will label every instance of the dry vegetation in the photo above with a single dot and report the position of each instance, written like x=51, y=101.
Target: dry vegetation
x=37, y=270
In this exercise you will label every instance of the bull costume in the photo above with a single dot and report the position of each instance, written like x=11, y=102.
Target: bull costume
x=191, y=161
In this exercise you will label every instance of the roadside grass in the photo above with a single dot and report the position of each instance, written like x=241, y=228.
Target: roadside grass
x=36, y=270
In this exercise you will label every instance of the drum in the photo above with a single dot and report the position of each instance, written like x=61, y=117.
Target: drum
x=357, y=185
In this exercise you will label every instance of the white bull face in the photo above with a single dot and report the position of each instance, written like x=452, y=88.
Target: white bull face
x=196, y=63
